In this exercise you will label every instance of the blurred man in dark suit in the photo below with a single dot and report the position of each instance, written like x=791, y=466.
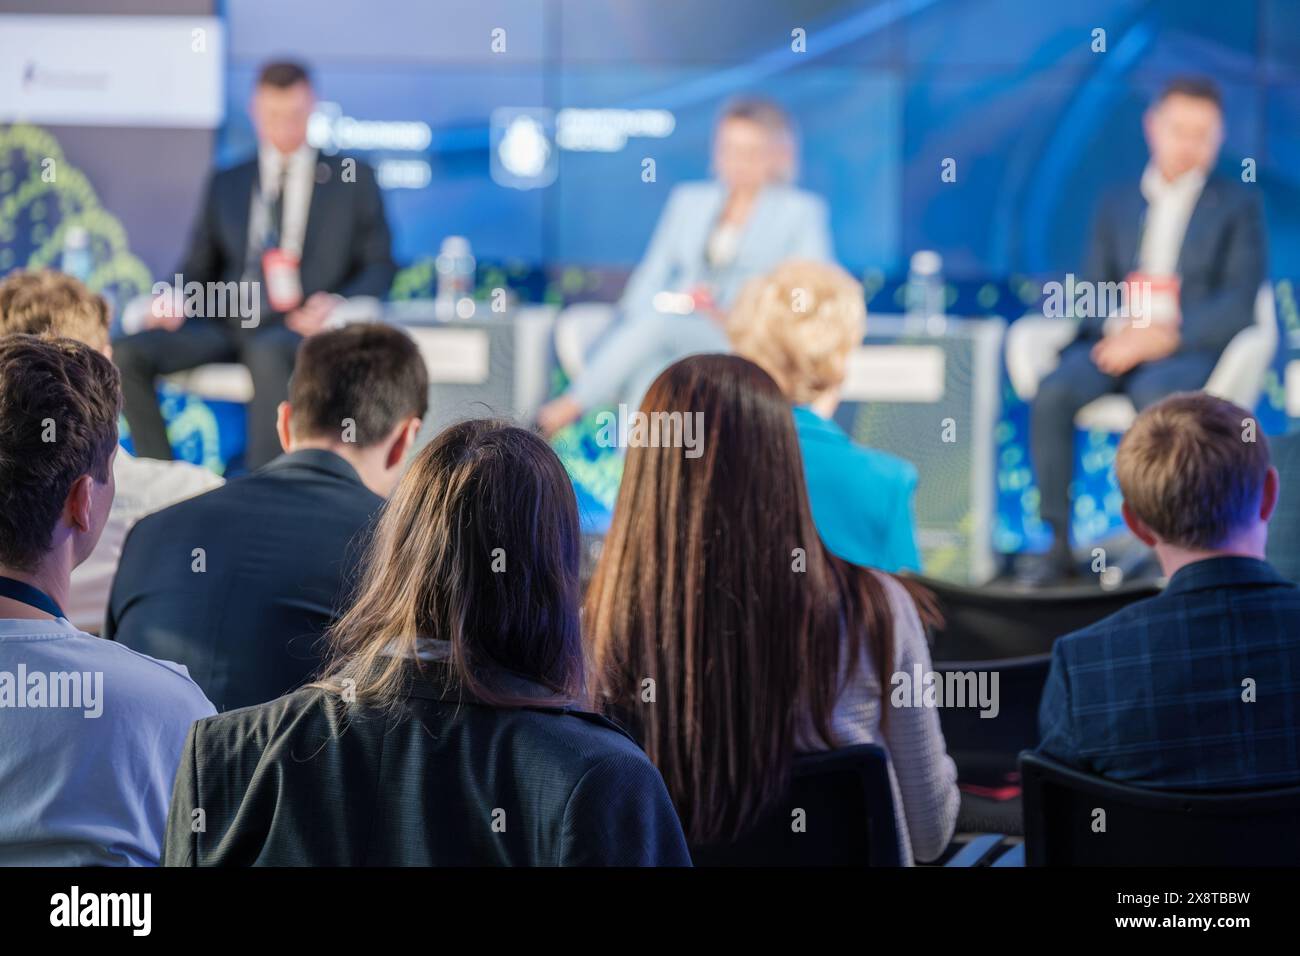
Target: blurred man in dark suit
x=240, y=583
x=1192, y=689
x=1195, y=242
x=308, y=229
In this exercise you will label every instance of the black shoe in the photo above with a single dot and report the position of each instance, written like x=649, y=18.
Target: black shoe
x=1046, y=570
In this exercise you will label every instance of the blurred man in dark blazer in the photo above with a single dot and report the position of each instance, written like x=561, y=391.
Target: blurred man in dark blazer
x=1195, y=241
x=1193, y=689
x=309, y=229
x=240, y=583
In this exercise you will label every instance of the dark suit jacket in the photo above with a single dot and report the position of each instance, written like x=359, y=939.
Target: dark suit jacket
x=1223, y=260
x=280, y=547
x=1152, y=695
x=1284, y=528
x=308, y=780
x=346, y=248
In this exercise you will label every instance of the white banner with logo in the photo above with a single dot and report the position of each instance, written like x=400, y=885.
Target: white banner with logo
x=112, y=71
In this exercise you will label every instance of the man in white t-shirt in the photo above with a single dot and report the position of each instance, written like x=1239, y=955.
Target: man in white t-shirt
x=92, y=731
x=53, y=304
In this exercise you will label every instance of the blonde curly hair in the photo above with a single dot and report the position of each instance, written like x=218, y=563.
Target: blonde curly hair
x=800, y=322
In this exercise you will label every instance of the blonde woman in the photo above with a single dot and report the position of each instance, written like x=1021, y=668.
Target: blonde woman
x=712, y=237
x=800, y=323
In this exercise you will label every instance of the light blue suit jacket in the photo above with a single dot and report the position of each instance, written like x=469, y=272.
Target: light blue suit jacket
x=785, y=223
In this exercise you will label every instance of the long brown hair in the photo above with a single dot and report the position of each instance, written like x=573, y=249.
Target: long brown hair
x=714, y=584
x=478, y=546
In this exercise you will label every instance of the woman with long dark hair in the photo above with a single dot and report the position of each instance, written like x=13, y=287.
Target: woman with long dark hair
x=448, y=728
x=715, y=591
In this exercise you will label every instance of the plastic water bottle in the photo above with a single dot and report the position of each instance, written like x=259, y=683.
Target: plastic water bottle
x=925, y=290
x=455, y=293
x=76, y=260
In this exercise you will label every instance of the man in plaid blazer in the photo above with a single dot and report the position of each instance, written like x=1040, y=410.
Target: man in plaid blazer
x=1197, y=688
x=1284, y=541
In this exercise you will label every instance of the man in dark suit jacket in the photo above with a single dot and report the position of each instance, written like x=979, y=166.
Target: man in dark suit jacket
x=240, y=583
x=307, y=229
x=1194, y=689
x=1195, y=243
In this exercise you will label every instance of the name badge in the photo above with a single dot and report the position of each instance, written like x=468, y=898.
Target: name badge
x=283, y=283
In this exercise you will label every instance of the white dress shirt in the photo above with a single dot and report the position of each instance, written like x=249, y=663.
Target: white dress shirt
x=724, y=243
x=144, y=485
x=1169, y=209
x=1164, y=225
x=301, y=179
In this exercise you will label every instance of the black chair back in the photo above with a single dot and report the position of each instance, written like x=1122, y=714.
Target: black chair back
x=987, y=749
x=993, y=622
x=847, y=815
x=1146, y=827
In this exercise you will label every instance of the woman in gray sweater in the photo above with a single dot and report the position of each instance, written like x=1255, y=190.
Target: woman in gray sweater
x=714, y=585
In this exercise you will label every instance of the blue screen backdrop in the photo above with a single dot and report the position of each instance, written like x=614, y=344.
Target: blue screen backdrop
x=1038, y=123
x=883, y=91
x=1011, y=89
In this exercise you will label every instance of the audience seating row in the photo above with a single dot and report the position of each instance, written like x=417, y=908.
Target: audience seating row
x=1070, y=819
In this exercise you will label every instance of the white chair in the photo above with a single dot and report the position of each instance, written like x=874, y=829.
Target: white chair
x=1034, y=343
x=1291, y=381
x=576, y=330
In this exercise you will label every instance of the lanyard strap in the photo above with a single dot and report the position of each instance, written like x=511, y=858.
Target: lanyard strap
x=24, y=593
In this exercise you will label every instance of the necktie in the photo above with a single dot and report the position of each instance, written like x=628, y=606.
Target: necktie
x=275, y=227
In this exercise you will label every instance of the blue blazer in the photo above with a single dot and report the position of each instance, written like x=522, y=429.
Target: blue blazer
x=1283, y=550
x=1222, y=262
x=861, y=498
x=282, y=546
x=1153, y=695
x=785, y=223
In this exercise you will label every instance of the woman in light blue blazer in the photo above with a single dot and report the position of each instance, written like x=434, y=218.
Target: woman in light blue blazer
x=711, y=237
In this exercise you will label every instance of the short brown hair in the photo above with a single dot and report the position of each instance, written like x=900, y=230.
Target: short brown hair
x=1192, y=468
x=52, y=304
x=59, y=402
x=1197, y=87
x=369, y=373
x=283, y=74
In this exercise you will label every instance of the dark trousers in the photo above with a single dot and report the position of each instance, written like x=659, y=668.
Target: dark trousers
x=268, y=351
x=1075, y=383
